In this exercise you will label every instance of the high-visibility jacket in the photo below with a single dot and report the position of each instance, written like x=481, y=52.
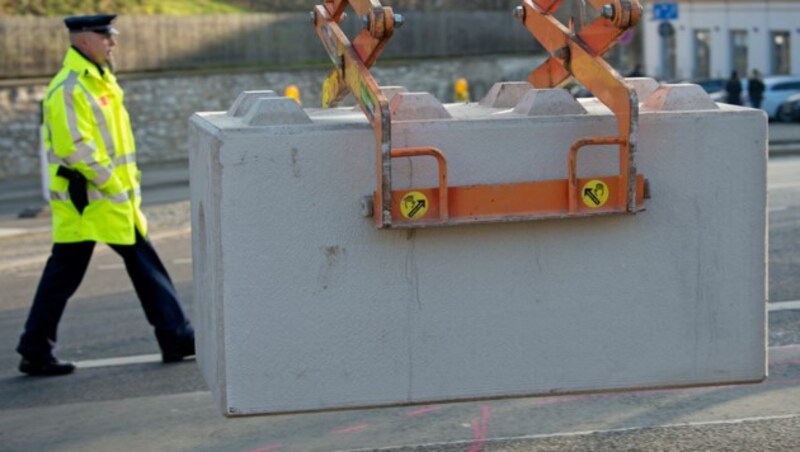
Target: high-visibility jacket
x=87, y=129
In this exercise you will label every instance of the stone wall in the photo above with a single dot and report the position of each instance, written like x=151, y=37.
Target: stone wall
x=267, y=41
x=161, y=105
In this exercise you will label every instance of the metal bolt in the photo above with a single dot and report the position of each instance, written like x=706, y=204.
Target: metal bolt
x=608, y=11
x=367, y=206
x=313, y=16
x=519, y=12
x=399, y=20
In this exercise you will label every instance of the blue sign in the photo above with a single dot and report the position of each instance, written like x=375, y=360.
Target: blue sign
x=665, y=11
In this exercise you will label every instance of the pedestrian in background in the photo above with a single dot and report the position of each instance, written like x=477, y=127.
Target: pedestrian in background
x=95, y=197
x=636, y=72
x=734, y=89
x=755, y=89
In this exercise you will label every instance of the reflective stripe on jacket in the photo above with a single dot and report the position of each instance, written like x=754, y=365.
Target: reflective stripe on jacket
x=87, y=129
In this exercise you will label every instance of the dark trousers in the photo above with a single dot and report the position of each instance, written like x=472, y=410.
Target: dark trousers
x=63, y=274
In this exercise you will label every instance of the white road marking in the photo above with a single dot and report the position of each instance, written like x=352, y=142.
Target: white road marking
x=121, y=361
x=9, y=232
x=6, y=232
x=182, y=260
x=783, y=185
x=111, y=267
x=783, y=306
x=28, y=274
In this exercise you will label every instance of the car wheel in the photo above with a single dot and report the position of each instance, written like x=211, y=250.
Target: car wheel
x=784, y=113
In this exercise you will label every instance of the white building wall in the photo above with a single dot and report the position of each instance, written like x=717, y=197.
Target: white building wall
x=758, y=18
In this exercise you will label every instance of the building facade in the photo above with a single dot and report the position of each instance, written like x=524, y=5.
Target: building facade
x=701, y=39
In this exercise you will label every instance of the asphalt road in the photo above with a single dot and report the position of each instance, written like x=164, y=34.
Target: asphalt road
x=113, y=405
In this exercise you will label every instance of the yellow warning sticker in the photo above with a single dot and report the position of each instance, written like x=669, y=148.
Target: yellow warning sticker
x=414, y=205
x=594, y=193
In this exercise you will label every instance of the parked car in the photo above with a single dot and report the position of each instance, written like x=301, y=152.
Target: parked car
x=789, y=110
x=778, y=88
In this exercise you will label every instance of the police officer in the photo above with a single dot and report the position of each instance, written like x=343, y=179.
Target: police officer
x=95, y=197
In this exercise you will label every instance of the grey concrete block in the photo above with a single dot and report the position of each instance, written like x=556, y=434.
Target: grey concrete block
x=644, y=86
x=505, y=94
x=302, y=304
x=271, y=111
x=679, y=97
x=548, y=102
x=416, y=107
x=389, y=92
x=246, y=100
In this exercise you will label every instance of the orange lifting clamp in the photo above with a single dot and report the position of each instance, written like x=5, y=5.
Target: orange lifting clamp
x=572, y=55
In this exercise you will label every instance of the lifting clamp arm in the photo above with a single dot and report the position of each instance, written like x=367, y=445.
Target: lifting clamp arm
x=580, y=55
x=351, y=75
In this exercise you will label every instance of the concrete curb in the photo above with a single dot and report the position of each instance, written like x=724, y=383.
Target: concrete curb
x=784, y=148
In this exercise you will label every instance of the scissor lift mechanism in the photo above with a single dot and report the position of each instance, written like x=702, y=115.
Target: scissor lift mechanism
x=578, y=55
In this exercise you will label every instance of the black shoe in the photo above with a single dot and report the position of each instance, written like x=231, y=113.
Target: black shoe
x=182, y=348
x=47, y=368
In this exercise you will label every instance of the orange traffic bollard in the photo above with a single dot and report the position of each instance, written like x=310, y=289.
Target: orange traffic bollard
x=461, y=90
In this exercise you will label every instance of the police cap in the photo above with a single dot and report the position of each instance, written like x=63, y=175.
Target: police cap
x=100, y=23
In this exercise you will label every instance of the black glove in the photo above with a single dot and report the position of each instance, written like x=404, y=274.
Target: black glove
x=77, y=187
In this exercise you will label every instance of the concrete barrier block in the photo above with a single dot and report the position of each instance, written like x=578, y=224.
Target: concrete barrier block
x=544, y=102
x=270, y=111
x=505, y=94
x=644, y=86
x=416, y=107
x=302, y=304
x=679, y=97
x=246, y=100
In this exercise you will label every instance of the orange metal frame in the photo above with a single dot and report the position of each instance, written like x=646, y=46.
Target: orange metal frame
x=573, y=55
x=580, y=55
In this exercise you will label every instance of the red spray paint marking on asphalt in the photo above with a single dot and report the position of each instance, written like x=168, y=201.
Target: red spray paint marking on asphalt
x=270, y=448
x=427, y=409
x=353, y=429
x=479, y=430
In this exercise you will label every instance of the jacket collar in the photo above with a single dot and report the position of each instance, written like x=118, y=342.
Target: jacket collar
x=77, y=62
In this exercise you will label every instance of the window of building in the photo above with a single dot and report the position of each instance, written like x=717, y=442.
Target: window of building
x=666, y=33
x=739, y=51
x=781, y=48
x=702, y=54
